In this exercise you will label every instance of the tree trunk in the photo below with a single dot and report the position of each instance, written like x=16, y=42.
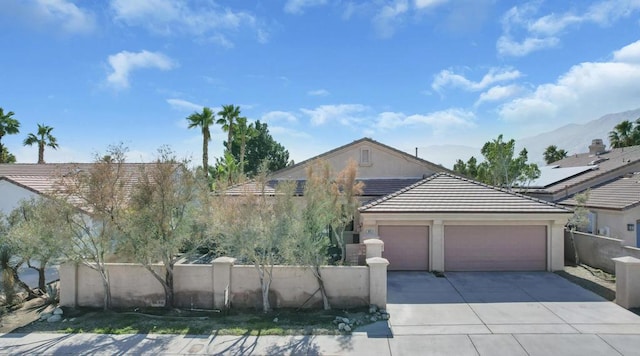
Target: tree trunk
x=323, y=292
x=41, y=152
x=575, y=249
x=107, y=288
x=42, y=283
x=205, y=155
x=265, y=285
x=243, y=147
x=16, y=278
x=168, y=292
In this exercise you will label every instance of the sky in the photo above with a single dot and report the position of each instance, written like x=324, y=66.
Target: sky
x=435, y=75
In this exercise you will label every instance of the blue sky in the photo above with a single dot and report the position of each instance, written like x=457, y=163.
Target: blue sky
x=321, y=73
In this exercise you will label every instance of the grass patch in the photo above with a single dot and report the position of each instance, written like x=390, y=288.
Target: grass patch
x=161, y=321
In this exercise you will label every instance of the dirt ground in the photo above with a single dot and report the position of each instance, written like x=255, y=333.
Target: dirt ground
x=594, y=280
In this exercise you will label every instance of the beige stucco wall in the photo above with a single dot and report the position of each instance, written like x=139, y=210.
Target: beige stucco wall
x=385, y=163
x=132, y=285
x=11, y=195
x=436, y=222
x=293, y=285
x=617, y=222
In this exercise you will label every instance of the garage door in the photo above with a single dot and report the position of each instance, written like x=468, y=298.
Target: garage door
x=406, y=247
x=495, y=248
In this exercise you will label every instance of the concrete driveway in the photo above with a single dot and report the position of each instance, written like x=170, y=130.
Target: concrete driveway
x=498, y=313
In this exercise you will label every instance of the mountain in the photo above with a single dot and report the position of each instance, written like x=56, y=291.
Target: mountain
x=574, y=138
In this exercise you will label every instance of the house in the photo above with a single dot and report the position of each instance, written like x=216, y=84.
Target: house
x=449, y=223
x=614, y=209
x=22, y=181
x=382, y=169
x=578, y=172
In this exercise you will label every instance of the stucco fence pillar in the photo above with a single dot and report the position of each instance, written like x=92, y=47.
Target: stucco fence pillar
x=222, y=281
x=374, y=247
x=627, y=281
x=378, y=281
x=69, y=284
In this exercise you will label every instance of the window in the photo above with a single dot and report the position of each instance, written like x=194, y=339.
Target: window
x=365, y=156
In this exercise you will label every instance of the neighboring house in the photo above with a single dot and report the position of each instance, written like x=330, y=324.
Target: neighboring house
x=602, y=172
x=20, y=181
x=578, y=172
x=450, y=223
x=614, y=209
x=382, y=169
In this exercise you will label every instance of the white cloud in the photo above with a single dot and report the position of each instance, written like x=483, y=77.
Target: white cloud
x=425, y=4
x=586, y=91
x=298, y=6
x=275, y=116
x=184, y=105
x=184, y=17
x=439, y=120
x=499, y=92
x=507, y=46
x=628, y=54
x=449, y=78
x=123, y=63
x=389, y=17
x=345, y=114
x=318, y=92
x=61, y=15
x=544, y=31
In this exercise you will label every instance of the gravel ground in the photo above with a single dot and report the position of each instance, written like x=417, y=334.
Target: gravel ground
x=595, y=280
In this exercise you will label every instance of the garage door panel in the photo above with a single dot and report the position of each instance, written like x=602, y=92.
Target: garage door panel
x=495, y=248
x=406, y=247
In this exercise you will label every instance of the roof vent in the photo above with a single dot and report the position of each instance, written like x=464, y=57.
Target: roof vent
x=597, y=160
x=597, y=147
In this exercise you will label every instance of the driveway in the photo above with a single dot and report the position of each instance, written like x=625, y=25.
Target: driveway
x=504, y=313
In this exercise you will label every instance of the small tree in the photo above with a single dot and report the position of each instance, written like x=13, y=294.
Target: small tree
x=101, y=193
x=579, y=220
x=10, y=263
x=160, y=217
x=37, y=234
x=256, y=228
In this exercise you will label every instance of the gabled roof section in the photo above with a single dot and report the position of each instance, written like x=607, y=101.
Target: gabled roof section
x=447, y=193
x=617, y=159
x=619, y=194
x=370, y=142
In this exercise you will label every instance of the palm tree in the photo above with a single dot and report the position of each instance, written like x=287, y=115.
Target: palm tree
x=622, y=135
x=8, y=126
x=203, y=120
x=229, y=116
x=552, y=154
x=42, y=138
x=246, y=133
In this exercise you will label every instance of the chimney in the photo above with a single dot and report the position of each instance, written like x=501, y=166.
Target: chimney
x=596, y=147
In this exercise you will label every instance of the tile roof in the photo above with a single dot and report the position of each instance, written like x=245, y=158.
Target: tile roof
x=373, y=187
x=620, y=193
x=447, y=193
x=614, y=159
x=45, y=178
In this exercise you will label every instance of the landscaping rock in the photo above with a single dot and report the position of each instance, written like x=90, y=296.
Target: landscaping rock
x=347, y=328
x=45, y=316
x=373, y=309
x=385, y=316
x=341, y=326
x=346, y=320
x=57, y=311
x=373, y=318
x=54, y=318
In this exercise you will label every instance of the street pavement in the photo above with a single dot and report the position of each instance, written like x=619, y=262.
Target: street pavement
x=463, y=314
